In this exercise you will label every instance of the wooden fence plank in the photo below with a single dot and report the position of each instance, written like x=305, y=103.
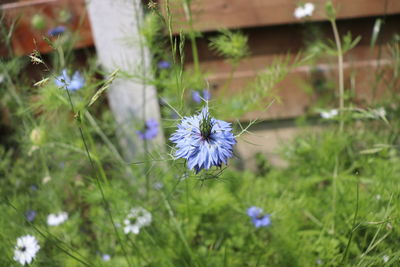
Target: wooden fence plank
x=210, y=15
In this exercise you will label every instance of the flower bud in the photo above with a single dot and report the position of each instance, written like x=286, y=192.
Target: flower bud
x=37, y=136
x=38, y=22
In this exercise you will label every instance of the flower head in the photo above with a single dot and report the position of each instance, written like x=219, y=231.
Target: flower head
x=30, y=215
x=64, y=80
x=57, y=219
x=303, y=11
x=106, y=257
x=203, y=141
x=329, y=114
x=136, y=219
x=150, y=130
x=164, y=64
x=258, y=218
x=196, y=95
x=56, y=31
x=26, y=249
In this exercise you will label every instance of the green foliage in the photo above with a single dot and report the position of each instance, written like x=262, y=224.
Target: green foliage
x=335, y=204
x=231, y=45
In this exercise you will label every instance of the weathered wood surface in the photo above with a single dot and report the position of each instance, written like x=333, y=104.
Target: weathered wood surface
x=25, y=38
x=210, y=15
x=118, y=45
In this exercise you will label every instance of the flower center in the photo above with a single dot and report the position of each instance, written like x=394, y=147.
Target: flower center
x=23, y=249
x=205, y=127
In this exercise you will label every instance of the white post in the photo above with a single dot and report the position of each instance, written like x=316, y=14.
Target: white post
x=115, y=27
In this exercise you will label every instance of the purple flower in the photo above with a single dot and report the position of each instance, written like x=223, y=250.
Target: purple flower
x=206, y=94
x=34, y=187
x=74, y=84
x=56, y=31
x=30, y=215
x=258, y=218
x=106, y=257
x=164, y=64
x=196, y=96
x=150, y=130
x=203, y=141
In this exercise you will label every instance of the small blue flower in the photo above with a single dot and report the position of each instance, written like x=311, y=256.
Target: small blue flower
x=74, y=84
x=164, y=64
x=196, y=96
x=56, y=31
x=30, y=215
x=150, y=130
x=34, y=187
x=258, y=218
x=203, y=141
x=106, y=257
x=206, y=94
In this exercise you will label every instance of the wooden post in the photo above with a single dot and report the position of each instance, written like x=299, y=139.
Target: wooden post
x=115, y=26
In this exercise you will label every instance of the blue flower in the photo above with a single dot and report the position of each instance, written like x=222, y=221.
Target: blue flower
x=30, y=215
x=196, y=96
x=56, y=31
x=164, y=64
x=258, y=218
x=150, y=130
x=76, y=83
x=203, y=141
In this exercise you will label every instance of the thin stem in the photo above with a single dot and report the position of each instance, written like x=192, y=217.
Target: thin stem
x=340, y=70
x=105, y=203
x=192, y=36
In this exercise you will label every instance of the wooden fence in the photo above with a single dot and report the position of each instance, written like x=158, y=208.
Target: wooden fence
x=272, y=29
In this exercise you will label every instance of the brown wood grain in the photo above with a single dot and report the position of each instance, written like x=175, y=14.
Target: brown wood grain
x=210, y=15
x=25, y=38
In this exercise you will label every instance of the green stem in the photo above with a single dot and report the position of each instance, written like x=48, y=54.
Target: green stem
x=340, y=70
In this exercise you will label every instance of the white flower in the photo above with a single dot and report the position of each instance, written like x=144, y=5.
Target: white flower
x=26, y=249
x=329, y=114
x=305, y=10
x=385, y=258
x=378, y=197
x=136, y=219
x=379, y=112
x=106, y=257
x=57, y=219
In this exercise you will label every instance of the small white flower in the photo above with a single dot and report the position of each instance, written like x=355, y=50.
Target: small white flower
x=26, y=249
x=378, y=197
x=385, y=258
x=303, y=11
x=379, y=112
x=57, y=219
x=329, y=114
x=106, y=257
x=158, y=185
x=136, y=219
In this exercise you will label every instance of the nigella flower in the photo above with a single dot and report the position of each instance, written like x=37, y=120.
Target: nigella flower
x=64, y=80
x=30, y=215
x=57, y=219
x=258, y=218
x=304, y=11
x=164, y=64
x=196, y=96
x=56, y=31
x=106, y=257
x=26, y=249
x=203, y=141
x=136, y=219
x=150, y=130
x=329, y=114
